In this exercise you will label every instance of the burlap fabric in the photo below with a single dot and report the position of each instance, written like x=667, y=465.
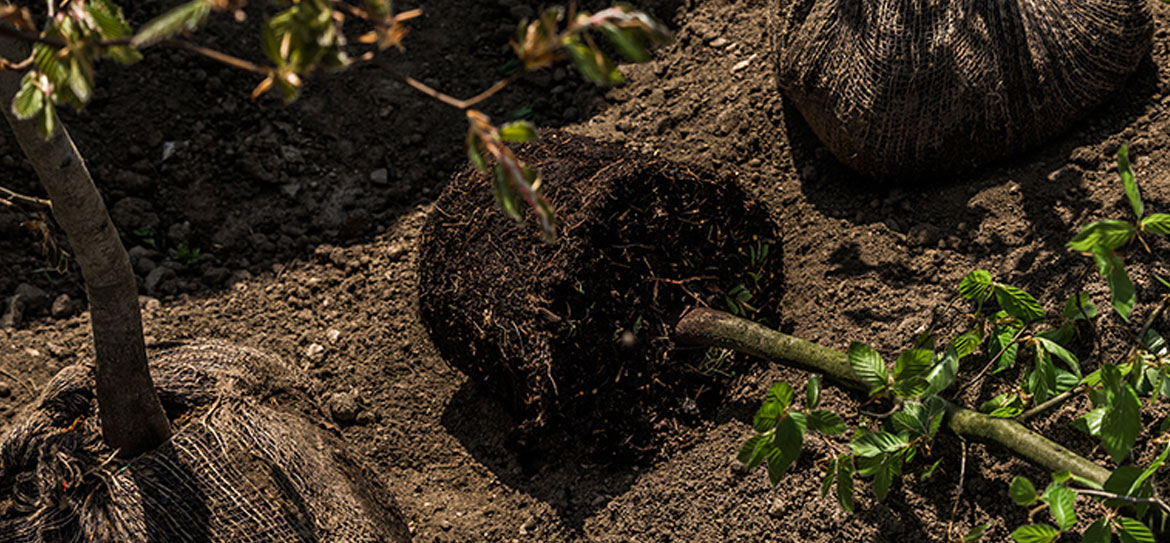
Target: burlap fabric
x=896, y=87
x=239, y=469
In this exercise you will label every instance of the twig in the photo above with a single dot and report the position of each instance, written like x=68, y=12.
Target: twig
x=13, y=195
x=22, y=382
x=1120, y=497
x=217, y=56
x=979, y=375
x=959, y=492
x=1064, y=396
x=456, y=103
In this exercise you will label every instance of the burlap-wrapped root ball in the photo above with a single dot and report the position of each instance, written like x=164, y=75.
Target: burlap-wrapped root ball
x=896, y=87
x=575, y=336
x=242, y=465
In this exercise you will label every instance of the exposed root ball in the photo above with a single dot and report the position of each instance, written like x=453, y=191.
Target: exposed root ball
x=574, y=335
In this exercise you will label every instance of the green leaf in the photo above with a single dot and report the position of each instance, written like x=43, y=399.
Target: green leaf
x=1134, y=529
x=1060, y=352
x=48, y=120
x=1018, y=303
x=912, y=362
x=1105, y=235
x=942, y=374
x=976, y=286
x=867, y=364
x=753, y=451
x=826, y=422
x=910, y=387
x=845, y=482
x=830, y=477
x=79, y=83
x=1001, y=336
x=591, y=63
x=518, y=131
x=186, y=17
x=1122, y=420
x=1121, y=287
x=1157, y=223
x=975, y=535
x=789, y=439
x=1022, y=491
x=1090, y=423
x=968, y=342
x=1098, y=532
x=1125, y=481
x=1062, y=502
x=1073, y=312
x=1035, y=533
x=506, y=197
x=29, y=100
x=870, y=444
x=625, y=41
x=1127, y=180
x=812, y=392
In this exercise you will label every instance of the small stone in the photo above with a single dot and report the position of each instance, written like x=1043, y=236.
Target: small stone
x=776, y=510
x=343, y=407
x=315, y=352
x=291, y=154
x=333, y=334
x=290, y=189
x=179, y=232
x=63, y=306
x=156, y=277
x=380, y=176
x=808, y=173
x=923, y=235
x=446, y=525
x=216, y=275
x=34, y=298
x=13, y=314
x=144, y=266
x=57, y=350
x=718, y=42
x=150, y=304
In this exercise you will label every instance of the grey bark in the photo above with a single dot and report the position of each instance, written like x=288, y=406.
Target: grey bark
x=132, y=418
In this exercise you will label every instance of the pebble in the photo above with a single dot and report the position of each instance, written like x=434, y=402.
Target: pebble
x=343, y=406
x=718, y=42
x=63, y=306
x=333, y=334
x=315, y=352
x=156, y=277
x=13, y=314
x=380, y=176
x=923, y=235
x=34, y=298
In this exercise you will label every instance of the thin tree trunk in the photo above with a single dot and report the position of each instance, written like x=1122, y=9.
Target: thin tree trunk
x=132, y=419
x=715, y=328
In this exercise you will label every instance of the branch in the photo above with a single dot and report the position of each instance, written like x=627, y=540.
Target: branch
x=997, y=356
x=11, y=195
x=1121, y=497
x=456, y=103
x=715, y=328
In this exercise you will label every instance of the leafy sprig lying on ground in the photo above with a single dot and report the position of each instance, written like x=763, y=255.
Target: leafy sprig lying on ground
x=1008, y=326
x=308, y=36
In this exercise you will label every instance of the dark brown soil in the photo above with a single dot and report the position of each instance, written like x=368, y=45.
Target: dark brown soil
x=311, y=254
x=575, y=336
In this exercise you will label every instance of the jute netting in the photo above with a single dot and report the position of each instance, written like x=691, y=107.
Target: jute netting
x=239, y=468
x=898, y=87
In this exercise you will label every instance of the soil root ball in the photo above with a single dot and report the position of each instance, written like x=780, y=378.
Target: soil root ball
x=239, y=467
x=895, y=87
x=574, y=335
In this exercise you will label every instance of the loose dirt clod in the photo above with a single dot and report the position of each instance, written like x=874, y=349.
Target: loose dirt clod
x=894, y=87
x=575, y=334
x=239, y=468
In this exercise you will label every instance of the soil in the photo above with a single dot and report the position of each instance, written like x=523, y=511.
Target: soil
x=307, y=219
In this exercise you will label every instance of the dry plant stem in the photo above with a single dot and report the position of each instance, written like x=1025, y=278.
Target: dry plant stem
x=715, y=328
x=456, y=103
x=132, y=419
x=18, y=197
x=974, y=380
x=1128, y=499
x=959, y=491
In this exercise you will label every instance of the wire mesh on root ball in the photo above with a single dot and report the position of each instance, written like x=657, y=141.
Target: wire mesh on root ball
x=243, y=464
